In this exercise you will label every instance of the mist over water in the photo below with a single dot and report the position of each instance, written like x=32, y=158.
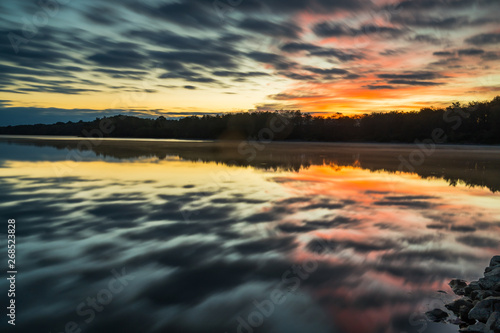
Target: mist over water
x=195, y=237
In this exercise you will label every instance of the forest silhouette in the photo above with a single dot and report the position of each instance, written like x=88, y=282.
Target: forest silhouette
x=475, y=122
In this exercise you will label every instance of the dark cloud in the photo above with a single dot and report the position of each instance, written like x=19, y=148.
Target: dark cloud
x=298, y=77
x=206, y=59
x=278, y=61
x=101, y=15
x=415, y=83
x=427, y=21
x=165, y=38
x=491, y=56
x=483, y=39
x=478, y=241
x=426, y=39
x=410, y=5
x=390, y=52
x=335, y=53
x=283, y=29
x=334, y=245
x=57, y=89
x=120, y=58
x=283, y=244
x=436, y=255
x=379, y=87
x=470, y=52
x=295, y=228
x=122, y=74
x=334, y=29
x=462, y=228
x=311, y=6
x=285, y=97
x=336, y=71
x=296, y=47
x=411, y=76
x=413, y=202
x=318, y=51
x=188, y=14
x=444, y=54
x=239, y=75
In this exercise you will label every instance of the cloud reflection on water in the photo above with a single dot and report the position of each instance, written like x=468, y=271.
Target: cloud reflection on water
x=393, y=240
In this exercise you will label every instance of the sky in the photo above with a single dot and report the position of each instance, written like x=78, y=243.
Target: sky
x=66, y=60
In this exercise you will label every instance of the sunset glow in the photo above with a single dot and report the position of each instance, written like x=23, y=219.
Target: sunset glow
x=174, y=58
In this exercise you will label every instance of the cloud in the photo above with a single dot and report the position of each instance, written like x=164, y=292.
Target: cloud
x=239, y=75
x=278, y=61
x=478, y=241
x=484, y=39
x=284, y=29
x=282, y=244
x=336, y=71
x=424, y=5
x=422, y=75
x=339, y=54
x=119, y=58
x=165, y=38
x=420, y=78
x=444, y=53
x=188, y=14
x=103, y=15
x=198, y=44
x=206, y=59
x=298, y=46
x=379, y=87
x=418, y=202
x=427, y=21
x=312, y=6
x=490, y=56
x=426, y=39
x=318, y=51
x=470, y=52
x=334, y=29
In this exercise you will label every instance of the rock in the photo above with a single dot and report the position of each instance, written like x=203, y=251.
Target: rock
x=474, y=285
x=495, y=261
x=436, y=315
x=479, y=310
x=493, y=323
x=459, y=305
x=458, y=286
x=490, y=279
x=483, y=310
x=479, y=295
x=476, y=328
x=489, y=269
x=495, y=271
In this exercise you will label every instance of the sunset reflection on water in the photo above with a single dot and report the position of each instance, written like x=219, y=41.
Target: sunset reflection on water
x=205, y=240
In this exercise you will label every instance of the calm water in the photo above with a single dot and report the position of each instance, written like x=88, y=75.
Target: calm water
x=206, y=238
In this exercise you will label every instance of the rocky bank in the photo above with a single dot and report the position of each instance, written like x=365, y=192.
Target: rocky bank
x=478, y=308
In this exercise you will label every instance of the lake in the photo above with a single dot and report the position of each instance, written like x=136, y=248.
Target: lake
x=193, y=236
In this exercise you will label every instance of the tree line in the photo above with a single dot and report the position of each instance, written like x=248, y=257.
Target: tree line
x=475, y=122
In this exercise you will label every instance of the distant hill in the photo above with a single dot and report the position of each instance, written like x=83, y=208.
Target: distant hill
x=476, y=122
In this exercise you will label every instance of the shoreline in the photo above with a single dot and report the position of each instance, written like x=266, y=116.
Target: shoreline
x=478, y=308
x=459, y=146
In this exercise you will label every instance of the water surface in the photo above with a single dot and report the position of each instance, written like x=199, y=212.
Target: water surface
x=214, y=237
